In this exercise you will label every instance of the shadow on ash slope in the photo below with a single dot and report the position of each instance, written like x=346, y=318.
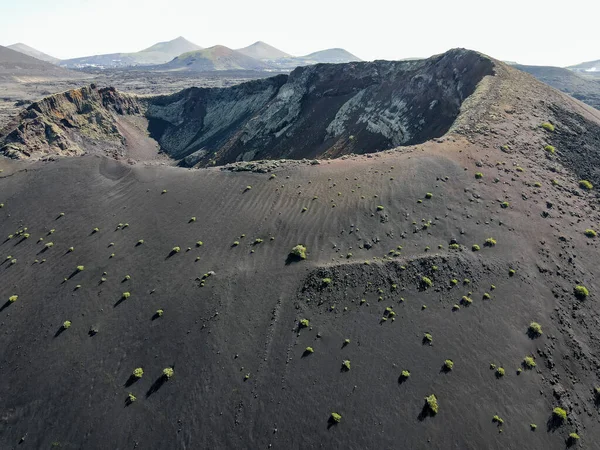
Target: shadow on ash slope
x=327, y=110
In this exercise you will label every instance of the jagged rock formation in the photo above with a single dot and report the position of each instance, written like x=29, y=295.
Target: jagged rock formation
x=315, y=112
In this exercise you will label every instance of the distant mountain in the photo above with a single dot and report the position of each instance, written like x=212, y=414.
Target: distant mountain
x=159, y=53
x=215, y=58
x=590, y=67
x=571, y=82
x=30, y=51
x=263, y=51
x=18, y=66
x=332, y=55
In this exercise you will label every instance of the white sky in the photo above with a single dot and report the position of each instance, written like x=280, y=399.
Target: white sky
x=527, y=31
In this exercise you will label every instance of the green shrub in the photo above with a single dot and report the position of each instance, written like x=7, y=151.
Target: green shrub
x=478, y=175
x=581, y=292
x=429, y=195
x=346, y=342
x=80, y=268
x=504, y=205
x=548, y=126
x=49, y=244
x=405, y=374
x=559, y=414
x=454, y=282
x=466, y=300
x=176, y=249
x=159, y=312
x=475, y=248
x=235, y=243
x=573, y=437
x=125, y=295
x=248, y=187
x=511, y=272
x=529, y=362
x=519, y=169
x=585, y=184
x=549, y=149
x=71, y=249
x=131, y=398
x=127, y=278
x=498, y=420
x=304, y=323
x=95, y=230
x=535, y=329
x=13, y=298
x=454, y=246
x=426, y=282
x=533, y=426
x=168, y=372
x=490, y=242
x=335, y=417
x=428, y=337
x=138, y=372
x=448, y=364
x=590, y=233
x=537, y=184
x=66, y=324
x=486, y=296
x=500, y=372
x=309, y=350
x=299, y=251
x=140, y=242
x=164, y=191
x=455, y=308
x=432, y=403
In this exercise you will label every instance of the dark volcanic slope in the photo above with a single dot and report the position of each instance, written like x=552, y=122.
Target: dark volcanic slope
x=315, y=112
x=446, y=250
x=582, y=88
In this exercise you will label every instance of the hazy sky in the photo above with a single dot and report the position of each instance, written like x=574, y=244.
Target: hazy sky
x=526, y=31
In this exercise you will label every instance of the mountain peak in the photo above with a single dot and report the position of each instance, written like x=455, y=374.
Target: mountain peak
x=263, y=51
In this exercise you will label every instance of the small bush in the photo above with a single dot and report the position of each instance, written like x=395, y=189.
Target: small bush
x=535, y=329
x=427, y=337
x=71, y=249
x=131, y=398
x=432, y=403
x=405, y=374
x=548, y=126
x=529, y=362
x=346, y=364
x=559, y=414
x=500, y=372
x=581, y=292
x=168, y=372
x=138, y=372
x=95, y=230
x=176, y=249
x=159, y=312
x=511, y=272
x=490, y=242
x=304, y=323
x=429, y=195
x=426, y=282
x=199, y=244
x=235, y=243
x=466, y=300
x=549, y=149
x=80, y=268
x=573, y=437
x=454, y=246
x=590, y=233
x=66, y=324
x=585, y=184
x=478, y=175
x=497, y=419
x=299, y=251
x=533, y=426
x=455, y=308
x=140, y=242
x=49, y=244
x=335, y=417
x=504, y=205
x=13, y=298
x=475, y=248
x=309, y=350
x=125, y=295
x=448, y=364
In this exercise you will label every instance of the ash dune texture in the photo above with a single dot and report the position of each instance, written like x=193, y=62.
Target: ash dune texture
x=409, y=324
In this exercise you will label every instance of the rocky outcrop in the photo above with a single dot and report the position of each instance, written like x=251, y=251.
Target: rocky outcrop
x=67, y=123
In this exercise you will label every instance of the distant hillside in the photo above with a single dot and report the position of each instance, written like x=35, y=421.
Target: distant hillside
x=590, y=67
x=332, y=55
x=30, y=51
x=159, y=53
x=18, y=66
x=215, y=58
x=263, y=51
x=582, y=88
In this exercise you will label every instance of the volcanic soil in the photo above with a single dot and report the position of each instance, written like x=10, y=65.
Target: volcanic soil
x=392, y=282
